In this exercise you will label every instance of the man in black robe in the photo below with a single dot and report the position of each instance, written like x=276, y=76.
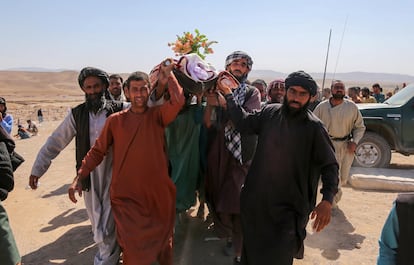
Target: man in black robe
x=293, y=152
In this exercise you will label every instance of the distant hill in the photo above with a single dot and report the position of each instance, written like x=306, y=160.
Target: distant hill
x=37, y=77
x=368, y=77
x=363, y=77
x=267, y=75
x=271, y=75
x=35, y=69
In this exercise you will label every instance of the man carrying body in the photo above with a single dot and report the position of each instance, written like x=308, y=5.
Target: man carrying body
x=85, y=123
x=142, y=193
x=293, y=152
x=229, y=154
x=345, y=126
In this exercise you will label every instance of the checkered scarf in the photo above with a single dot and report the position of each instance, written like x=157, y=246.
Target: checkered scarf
x=237, y=55
x=232, y=136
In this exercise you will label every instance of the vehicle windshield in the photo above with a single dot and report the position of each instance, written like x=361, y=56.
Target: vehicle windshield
x=402, y=96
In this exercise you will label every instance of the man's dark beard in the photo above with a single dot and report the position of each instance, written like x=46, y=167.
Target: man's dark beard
x=338, y=96
x=293, y=111
x=94, y=103
x=241, y=79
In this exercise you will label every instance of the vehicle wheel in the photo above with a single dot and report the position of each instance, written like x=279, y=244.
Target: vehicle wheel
x=372, y=151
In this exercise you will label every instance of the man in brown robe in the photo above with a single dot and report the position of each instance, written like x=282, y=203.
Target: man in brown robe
x=142, y=193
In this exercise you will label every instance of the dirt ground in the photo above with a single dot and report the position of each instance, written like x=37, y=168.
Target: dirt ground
x=49, y=229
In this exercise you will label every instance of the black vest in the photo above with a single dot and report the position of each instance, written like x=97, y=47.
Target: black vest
x=405, y=213
x=81, y=117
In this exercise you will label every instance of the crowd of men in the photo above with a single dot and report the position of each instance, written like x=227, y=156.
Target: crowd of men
x=255, y=153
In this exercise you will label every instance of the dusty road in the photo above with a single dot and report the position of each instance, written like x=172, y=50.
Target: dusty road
x=50, y=229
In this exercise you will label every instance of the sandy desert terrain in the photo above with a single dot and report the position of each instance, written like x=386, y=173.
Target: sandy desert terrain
x=50, y=229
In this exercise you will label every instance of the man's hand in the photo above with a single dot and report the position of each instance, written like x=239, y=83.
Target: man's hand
x=215, y=99
x=351, y=147
x=33, y=181
x=165, y=70
x=75, y=186
x=226, y=84
x=322, y=215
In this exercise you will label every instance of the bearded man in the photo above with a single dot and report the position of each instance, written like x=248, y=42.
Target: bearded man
x=229, y=154
x=293, y=152
x=345, y=126
x=85, y=122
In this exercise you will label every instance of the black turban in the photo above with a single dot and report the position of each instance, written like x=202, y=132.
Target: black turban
x=300, y=78
x=91, y=71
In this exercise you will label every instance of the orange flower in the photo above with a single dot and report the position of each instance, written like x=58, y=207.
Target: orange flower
x=188, y=43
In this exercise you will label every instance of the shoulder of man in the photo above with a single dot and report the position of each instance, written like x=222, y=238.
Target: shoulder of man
x=252, y=98
x=271, y=107
x=113, y=106
x=270, y=110
x=76, y=111
x=322, y=105
x=353, y=105
x=80, y=106
x=251, y=90
x=6, y=180
x=349, y=101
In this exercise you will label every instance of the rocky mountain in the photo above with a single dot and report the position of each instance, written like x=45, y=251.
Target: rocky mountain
x=363, y=77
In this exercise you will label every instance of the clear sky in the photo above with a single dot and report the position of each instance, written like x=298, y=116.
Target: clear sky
x=129, y=35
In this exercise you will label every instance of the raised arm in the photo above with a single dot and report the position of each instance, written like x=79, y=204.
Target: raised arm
x=245, y=120
x=171, y=108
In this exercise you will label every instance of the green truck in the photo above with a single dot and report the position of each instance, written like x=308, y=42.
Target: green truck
x=389, y=128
